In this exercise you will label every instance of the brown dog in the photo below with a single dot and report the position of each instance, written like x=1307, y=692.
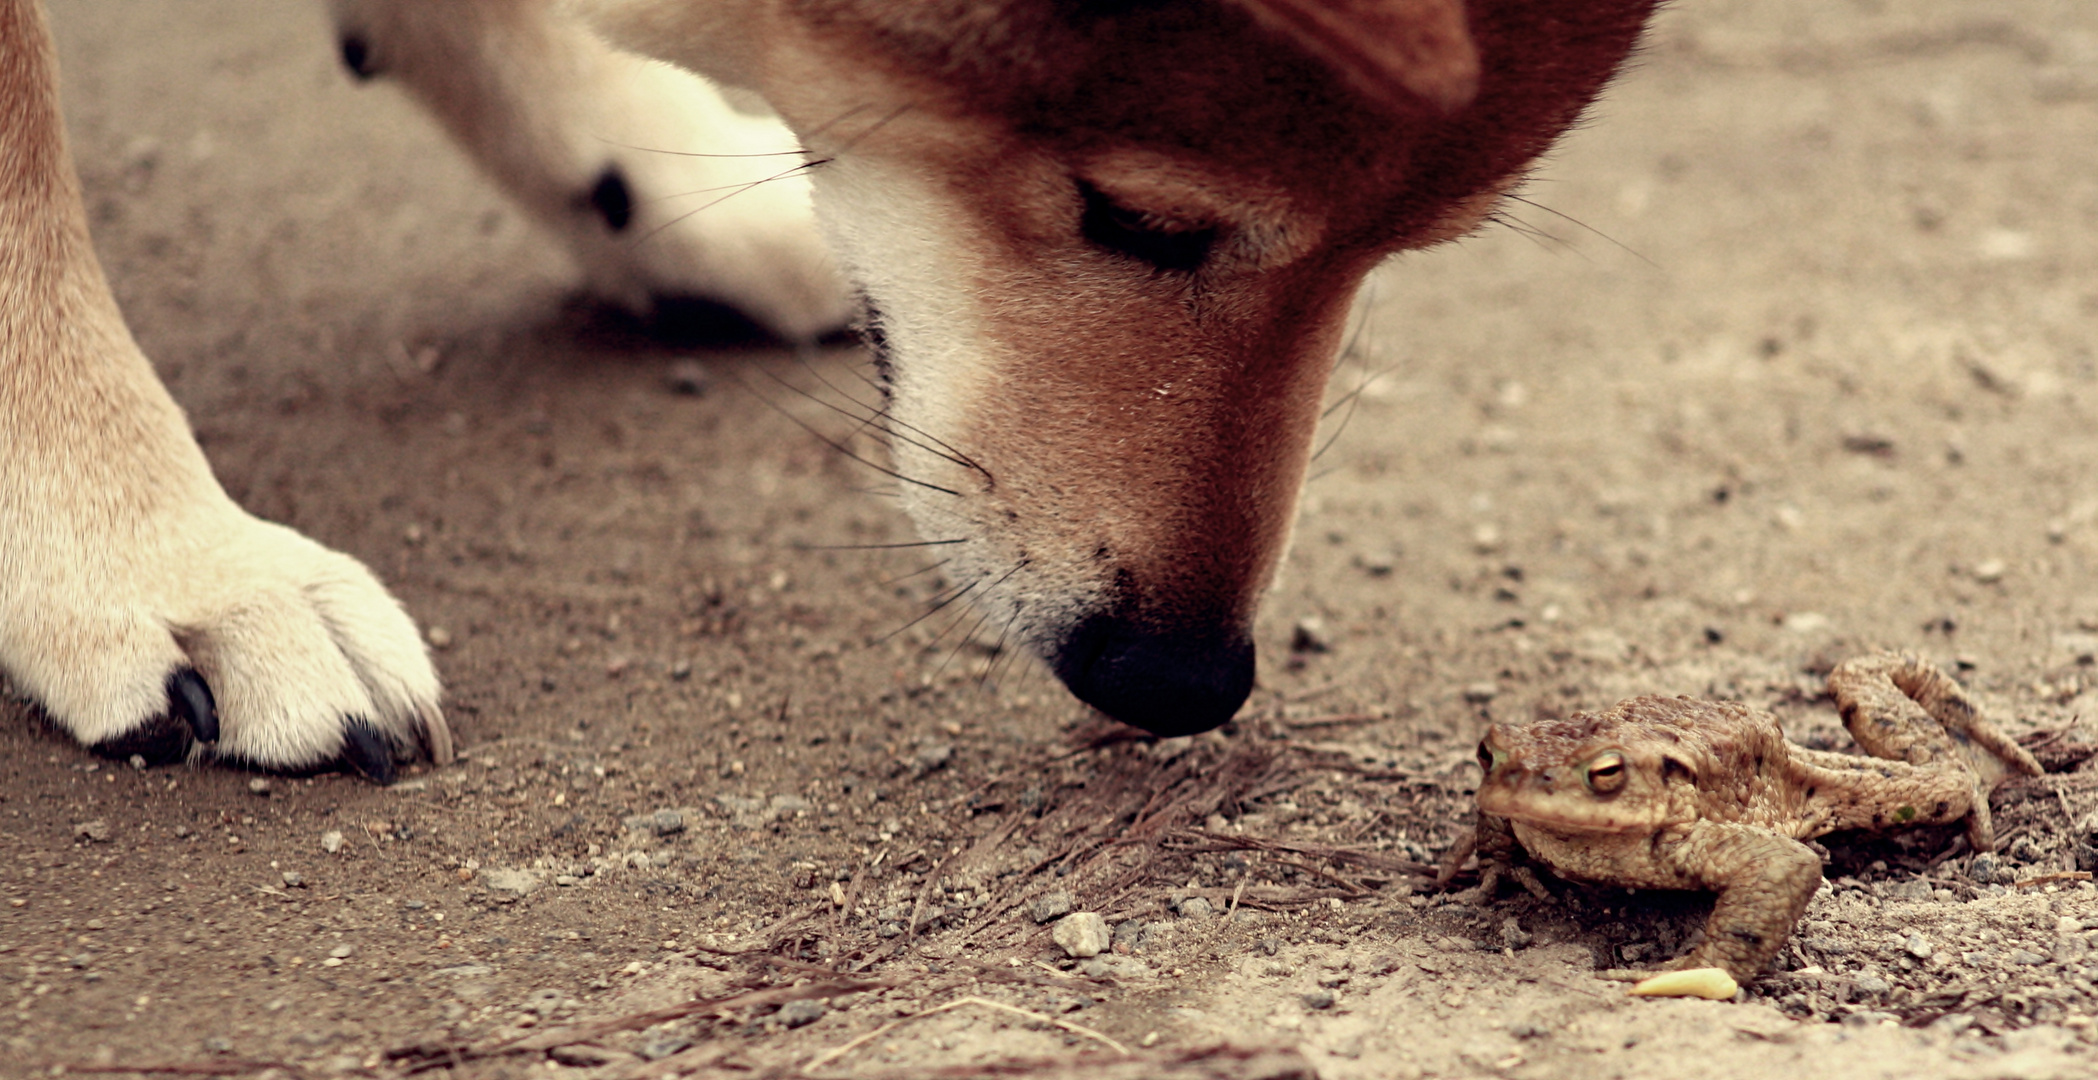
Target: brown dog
x=1106, y=250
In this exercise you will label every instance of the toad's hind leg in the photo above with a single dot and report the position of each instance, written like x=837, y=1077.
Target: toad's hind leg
x=1901, y=707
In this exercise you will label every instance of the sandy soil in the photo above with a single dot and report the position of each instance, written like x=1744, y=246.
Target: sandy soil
x=1792, y=356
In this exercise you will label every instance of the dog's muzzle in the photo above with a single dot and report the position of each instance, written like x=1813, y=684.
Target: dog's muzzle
x=1168, y=680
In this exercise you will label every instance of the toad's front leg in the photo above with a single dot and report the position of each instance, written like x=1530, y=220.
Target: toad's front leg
x=1764, y=882
x=1500, y=855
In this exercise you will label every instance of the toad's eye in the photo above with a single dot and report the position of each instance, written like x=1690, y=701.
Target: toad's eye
x=1606, y=773
x=1165, y=245
x=1485, y=758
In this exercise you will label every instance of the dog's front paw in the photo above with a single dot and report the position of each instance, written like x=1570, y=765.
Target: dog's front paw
x=238, y=638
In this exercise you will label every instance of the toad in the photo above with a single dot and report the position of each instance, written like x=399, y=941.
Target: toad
x=1680, y=793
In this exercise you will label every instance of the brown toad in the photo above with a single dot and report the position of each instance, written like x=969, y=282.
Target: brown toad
x=1678, y=793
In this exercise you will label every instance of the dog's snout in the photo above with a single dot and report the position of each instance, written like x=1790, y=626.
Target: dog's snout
x=1168, y=680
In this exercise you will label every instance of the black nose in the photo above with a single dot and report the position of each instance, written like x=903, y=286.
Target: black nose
x=1167, y=680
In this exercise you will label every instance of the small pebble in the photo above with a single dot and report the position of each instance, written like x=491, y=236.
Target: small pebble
x=343, y=951
x=293, y=879
x=1513, y=935
x=96, y=830
x=1195, y=907
x=796, y=1014
x=932, y=756
x=1989, y=571
x=1872, y=984
x=661, y=1044
x=438, y=637
x=1083, y=935
x=1319, y=999
x=1479, y=693
x=688, y=377
x=518, y=882
x=1051, y=906
x=1309, y=636
x=258, y=785
x=1919, y=947
x=331, y=841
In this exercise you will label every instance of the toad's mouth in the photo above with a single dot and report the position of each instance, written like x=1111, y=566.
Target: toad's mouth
x=1504, y=798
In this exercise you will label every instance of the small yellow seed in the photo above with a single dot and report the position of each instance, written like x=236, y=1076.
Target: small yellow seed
x=1712, y=983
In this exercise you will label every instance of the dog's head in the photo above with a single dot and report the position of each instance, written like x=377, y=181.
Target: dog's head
x=1108, y=250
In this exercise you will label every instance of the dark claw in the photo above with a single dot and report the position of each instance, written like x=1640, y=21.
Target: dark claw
x=189, y=698
x=367, y=752
x=191, y=718
x=612, y=200
x=163, y=740
x=357, y=56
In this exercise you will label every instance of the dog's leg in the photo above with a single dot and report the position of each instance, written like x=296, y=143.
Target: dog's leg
x=139, y=606
x=663, y=190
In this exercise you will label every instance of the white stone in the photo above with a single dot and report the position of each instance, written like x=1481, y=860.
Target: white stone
x=1083, y=934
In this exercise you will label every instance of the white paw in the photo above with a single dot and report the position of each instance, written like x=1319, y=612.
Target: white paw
x=660, y=186
x=221, y=634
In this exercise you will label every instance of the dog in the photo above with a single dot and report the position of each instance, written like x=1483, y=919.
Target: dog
x=1103, y=251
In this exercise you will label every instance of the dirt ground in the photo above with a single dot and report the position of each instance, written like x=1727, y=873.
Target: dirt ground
x=1792, y=356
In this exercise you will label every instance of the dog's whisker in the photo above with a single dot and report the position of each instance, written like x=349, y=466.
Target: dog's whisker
x=879, y=547
x=906, y=577
x=945, y=449
x=1585, y=227
x=841, y=447
x=963, y=642
x=960, y=644
x=1540, y=237
x=938, y=605
x=942, y=451
x=998, y=654
x=838, y=119
x=846, y=147
x=795, y=152
x=1360, y=387
x=733, y=191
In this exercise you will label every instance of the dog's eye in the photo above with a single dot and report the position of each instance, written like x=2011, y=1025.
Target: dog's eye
x=1130, y=232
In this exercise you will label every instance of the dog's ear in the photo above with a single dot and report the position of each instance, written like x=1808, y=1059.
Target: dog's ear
x=1402, y=53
